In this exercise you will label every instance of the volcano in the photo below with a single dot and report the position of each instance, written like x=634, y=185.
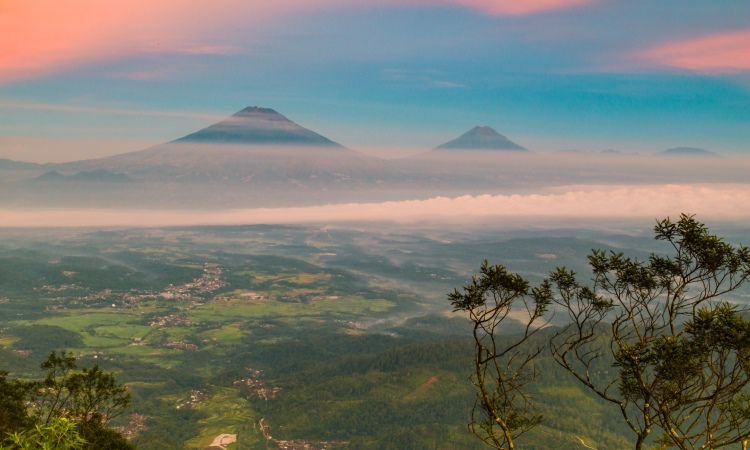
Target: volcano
x=258, y=126
x=481, y=138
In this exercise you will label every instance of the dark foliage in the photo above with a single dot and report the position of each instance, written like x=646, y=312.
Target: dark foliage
x=681, y=355
x=502, y=364
x=89, y=398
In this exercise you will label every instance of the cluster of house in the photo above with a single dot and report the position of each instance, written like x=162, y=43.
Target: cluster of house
x=136, y=424
x=255, y=384
x=209, y=281
x=197, y=397
x=298, y=444
x=171, y=320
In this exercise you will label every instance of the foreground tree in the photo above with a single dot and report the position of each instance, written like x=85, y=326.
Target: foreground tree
x=13, y=412
x=69, y=405
x=58, y=434
x=89, y=396
x=656, y=338
x=681, y=355
x=502, y=364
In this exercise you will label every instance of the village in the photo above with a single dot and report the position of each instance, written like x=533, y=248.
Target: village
x=256, y=386
x=196, y=290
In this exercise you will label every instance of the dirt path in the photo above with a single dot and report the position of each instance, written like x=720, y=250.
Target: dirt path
x=584, y=443
x=221, y=441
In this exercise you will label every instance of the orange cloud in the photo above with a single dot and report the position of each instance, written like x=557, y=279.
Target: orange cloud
x=42, y=36
x=717, y=53
x=47, y=36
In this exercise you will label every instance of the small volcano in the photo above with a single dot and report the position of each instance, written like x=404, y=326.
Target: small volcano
x=481, y=138
x=258, y=126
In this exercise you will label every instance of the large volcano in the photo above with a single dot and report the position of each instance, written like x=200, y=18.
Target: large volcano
x=254, y=147
x=258, y=126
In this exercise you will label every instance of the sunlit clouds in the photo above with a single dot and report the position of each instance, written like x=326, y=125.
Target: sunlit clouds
x=49, y=36
x=716, y=53
x=45, y=36
x=554, y=207
x=520, y=7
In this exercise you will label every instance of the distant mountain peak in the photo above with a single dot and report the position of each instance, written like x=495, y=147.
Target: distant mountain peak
x=255, y=125
x=481, y=137
x=91, y=176
x=689, y=151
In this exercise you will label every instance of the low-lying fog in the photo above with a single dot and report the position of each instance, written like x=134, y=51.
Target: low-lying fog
x=556, y=206
x=229, y=184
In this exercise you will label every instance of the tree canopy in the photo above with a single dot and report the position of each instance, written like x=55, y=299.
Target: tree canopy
x=68, y=408
x=657, y=339
x=502, y=365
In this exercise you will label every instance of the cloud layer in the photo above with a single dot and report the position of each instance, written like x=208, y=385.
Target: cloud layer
x=515, y=7
x=716, y=53
x=47, y=36
x=50, y=36
x=551, y=207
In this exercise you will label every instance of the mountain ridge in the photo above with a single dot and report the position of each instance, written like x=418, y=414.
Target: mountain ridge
x=689, y=151
x=91, y=176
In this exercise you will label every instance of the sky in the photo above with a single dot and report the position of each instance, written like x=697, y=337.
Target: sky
x=86, y=78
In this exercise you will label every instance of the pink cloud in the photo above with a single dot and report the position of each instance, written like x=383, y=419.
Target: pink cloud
x=211, y=50
x=727, y=52
x=48, y=36
x=519, y=7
